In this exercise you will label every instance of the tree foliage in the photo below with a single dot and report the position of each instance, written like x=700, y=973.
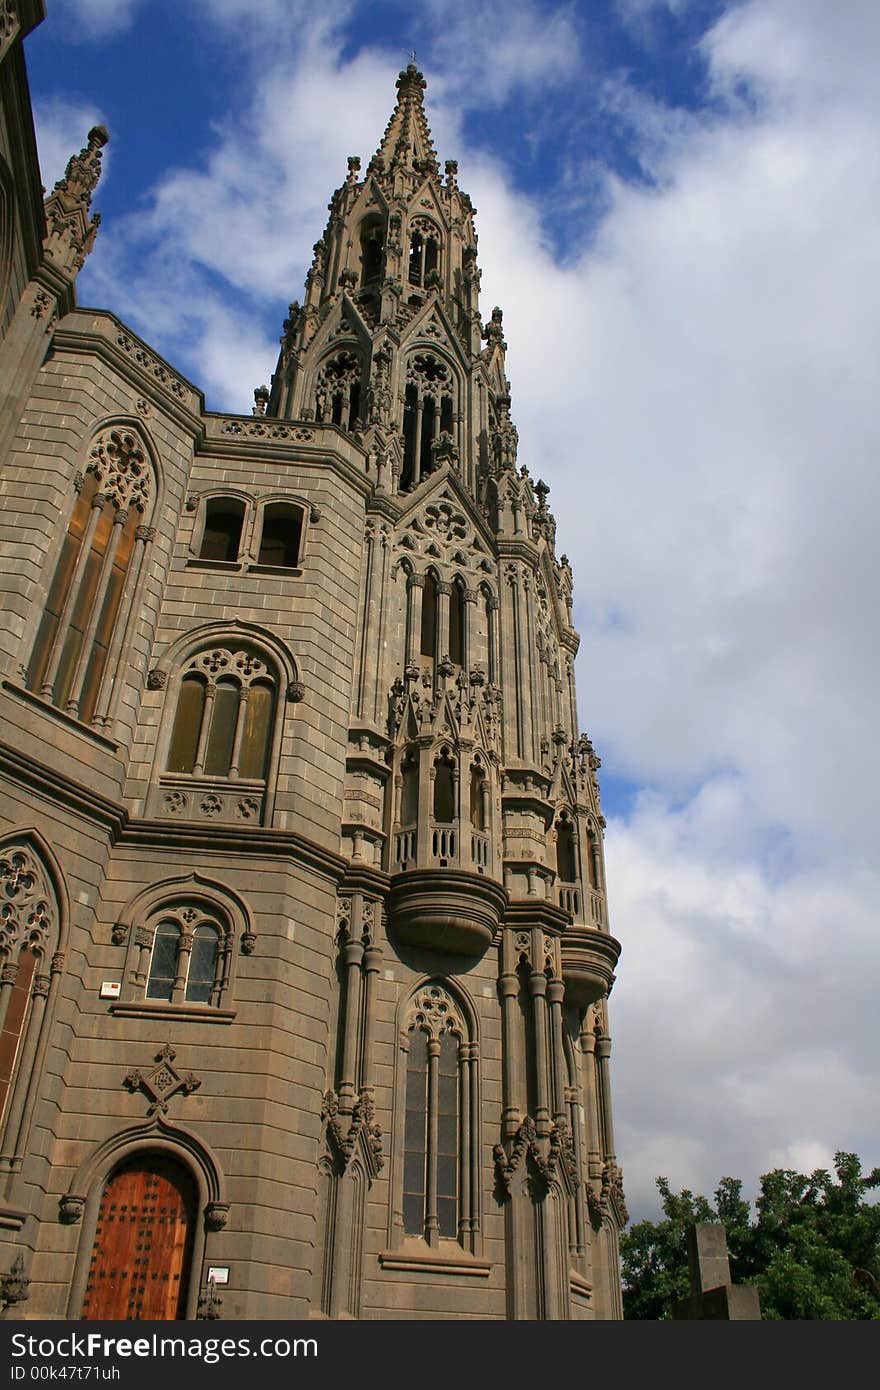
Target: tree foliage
x=812, y=1249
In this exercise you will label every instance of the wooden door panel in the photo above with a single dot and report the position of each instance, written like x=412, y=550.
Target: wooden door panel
x=143, y=1243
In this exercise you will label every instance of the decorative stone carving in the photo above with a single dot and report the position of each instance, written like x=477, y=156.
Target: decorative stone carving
x=14, y=1286
x=28, y=910
x=216, y=1216
x=545, y=1158
x=156, y=679
x=248, y=942
x=41, y=305
x=296, y=692
x=435, y=1012
x=71, y=1208
x=121, y=469
x=162, y=1082
x=210, y=1304
x=70, y=231
x=362, y=1125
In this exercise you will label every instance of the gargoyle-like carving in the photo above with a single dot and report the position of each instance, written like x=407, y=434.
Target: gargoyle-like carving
x=362, y=1122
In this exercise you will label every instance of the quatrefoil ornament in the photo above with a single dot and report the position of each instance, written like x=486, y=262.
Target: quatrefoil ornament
x=162, y=1082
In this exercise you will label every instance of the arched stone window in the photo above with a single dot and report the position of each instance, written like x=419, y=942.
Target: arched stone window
x=566, y=851
x=217, y=759
x=424, y=251
x=428, y=634
x=32, y=934
x=457, y=623
x=281, y=533
x=91, y=591
x=440, y=1156
x=372, y=251
x=479, y=795
x=224, y=716
x=444, y=774
x=188, y=957
x=338, y=391
x=429, y=412
x=221, y=536
x=180, y=938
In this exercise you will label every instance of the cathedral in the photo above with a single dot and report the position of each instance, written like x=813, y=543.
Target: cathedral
x=304, y=943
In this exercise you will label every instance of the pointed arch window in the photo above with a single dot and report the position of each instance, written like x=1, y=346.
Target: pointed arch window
x=31, y=960
x=372, y=252
x=429, y=413
x=424, y=252
x=439, y=1168
x=457, y=624
x=445, y=788
x=428, y=633
x=95, y=576
x=338, y=391
x=566, y=853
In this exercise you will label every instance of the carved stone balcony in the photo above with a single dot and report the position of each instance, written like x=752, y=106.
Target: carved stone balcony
x=588, y=961
x=445, y=910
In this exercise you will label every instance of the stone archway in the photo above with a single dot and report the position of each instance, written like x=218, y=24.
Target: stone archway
x=142, y=1253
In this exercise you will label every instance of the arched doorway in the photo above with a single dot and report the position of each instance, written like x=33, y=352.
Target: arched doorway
x=142, y=1254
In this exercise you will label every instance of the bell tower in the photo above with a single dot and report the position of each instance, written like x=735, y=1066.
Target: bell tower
x=470, y=795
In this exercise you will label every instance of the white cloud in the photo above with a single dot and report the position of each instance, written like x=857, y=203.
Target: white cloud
x=62, y=129
x=96, y=19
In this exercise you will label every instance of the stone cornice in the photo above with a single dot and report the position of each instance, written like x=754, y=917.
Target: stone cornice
x=257, y=841
x=101, y=333
x=61, y=790
x=26, y=771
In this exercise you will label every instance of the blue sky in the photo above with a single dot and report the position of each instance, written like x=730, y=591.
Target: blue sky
x=677, y=208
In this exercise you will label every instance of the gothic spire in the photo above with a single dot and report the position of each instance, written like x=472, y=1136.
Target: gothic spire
x=407, y=139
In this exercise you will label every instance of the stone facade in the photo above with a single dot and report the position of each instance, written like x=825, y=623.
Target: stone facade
x=301, y=861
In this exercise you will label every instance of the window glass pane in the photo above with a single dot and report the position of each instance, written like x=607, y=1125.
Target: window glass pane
x=447, y=1216
x=107, y=621
x=254, y=757
x=223, y=720
x=13, y=1024
x=447, y=1136
x=221, y=538
x=187, y=724
x=203, y=964
x=82, y=606
x=415, y=1142
x=163, y=966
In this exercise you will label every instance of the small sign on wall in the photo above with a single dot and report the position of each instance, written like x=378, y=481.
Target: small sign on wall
x=110, y=989
x=218, y=1274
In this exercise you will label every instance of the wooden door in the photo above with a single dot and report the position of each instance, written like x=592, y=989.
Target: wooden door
x=143, y=1243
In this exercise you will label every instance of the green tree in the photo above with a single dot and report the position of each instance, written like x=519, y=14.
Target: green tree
x=812, y=1249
